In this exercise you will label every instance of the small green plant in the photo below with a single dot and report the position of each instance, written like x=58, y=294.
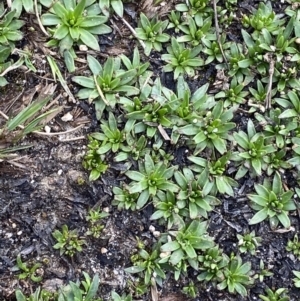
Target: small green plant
x=190, y=290
x=124, y=200
x=248, y=243
x=236, y=276
x=150, y=179
x=116, y=5
x=151, y=33
x=94, y=219
x=281, y=45
x=216, y=171
x=252, y=151
x=93, y=161
x=38, y=295
x=284, y=76
x=239, y=64
x=136, y=64
x=196, y=33
x=75, y=24
x=278, y=295
x=212, y=264
x=82, y=291
x=297, y=279
x=169, y=208
x=185, y=242
x=174, y=21
x=28, y=270
x=195, y=8
x=212, y=130
x=213, y=51
x=263, y=17
x=108, y=84
x=294, y=246
x=234, y=94
x=111, y=137
x=275, y=128
x=148, y=265
x=195, y=192
x=181, y=60
x=149, y=111
x=9, y=29
x=272, y=202
x=264, y=272
x=68, y=241
x=135, y=149
x=291, y=105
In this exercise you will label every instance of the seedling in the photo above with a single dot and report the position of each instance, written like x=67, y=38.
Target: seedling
x=278, y=295
x=75, y=24
x=68, y=241
x=150, y=179
x=236, y=276
x=294, y=246
x=151, y=32
x=181, y=59
x=93, y=161
x=248, y=243
x=272, y=202
x=28, y=270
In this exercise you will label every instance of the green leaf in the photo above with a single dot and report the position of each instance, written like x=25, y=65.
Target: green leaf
x=93, y=21
x=117, y=6
x=94, y=175
x=142, y=200
x=60, y=10
x=69, y=61
x=20, y=296
x=170, y=246
x=93, y=288
x=220, y=145
x=284, y=219
x=259, y=216
x=256, y=164
x=61, y=32
x=79, y=9
x=88, y=39
x=288, y=113
x=84, y=81
x=134, y=175
x=94, y=65
x=176, y=257
x=245, y=63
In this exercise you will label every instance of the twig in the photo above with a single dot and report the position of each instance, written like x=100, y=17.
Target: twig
x=218, y=32
x=39, y=20
x=269, y=90
x=8, y=3
x=72, y=139
x=100, y=91
x=132, y=31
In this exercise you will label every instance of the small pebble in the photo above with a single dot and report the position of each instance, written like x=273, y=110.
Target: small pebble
x=103, y=250
x=106, y=209
x=47, y=129
x=156, y=234
x=67, y=117
x=151, y=229
x=83, y=48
